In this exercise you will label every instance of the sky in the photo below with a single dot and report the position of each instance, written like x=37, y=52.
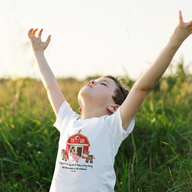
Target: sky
x=90, y=37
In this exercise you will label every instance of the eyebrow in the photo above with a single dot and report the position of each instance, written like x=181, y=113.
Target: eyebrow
x=105, y=80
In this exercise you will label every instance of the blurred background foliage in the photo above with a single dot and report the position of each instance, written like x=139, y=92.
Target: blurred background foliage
x=157, y=156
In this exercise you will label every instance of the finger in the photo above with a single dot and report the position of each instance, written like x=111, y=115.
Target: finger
x=48, y=40
x=29, y=32
x=39, y=34
x=180, y=17
x=189, y=24
x=34, y=31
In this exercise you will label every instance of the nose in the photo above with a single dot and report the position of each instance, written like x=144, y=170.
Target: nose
x=92, y=82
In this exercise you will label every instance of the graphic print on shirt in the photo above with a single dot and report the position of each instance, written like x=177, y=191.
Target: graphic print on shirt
x=77, y=146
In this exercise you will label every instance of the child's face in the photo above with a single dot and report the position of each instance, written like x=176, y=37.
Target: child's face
x=98, y=92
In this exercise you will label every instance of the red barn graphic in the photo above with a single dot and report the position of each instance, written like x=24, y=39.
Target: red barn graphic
x=78, y=143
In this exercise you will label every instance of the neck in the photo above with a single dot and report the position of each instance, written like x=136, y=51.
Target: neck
x=87, y=114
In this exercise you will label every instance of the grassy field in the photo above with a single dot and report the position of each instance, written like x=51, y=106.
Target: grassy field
x=157, y=156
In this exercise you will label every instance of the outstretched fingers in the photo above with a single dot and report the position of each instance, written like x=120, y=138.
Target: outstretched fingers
x=40, y=32
x=48, y=40
x=180, y=17
x=29, y=32
x=189, y=24
x=36, y=41
x=34, y=31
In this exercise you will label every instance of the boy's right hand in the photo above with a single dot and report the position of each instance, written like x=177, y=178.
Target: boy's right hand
x=55, y=95
x=36, y=42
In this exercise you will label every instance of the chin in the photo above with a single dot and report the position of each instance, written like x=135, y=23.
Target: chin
x=83, y=96
x=84, y=92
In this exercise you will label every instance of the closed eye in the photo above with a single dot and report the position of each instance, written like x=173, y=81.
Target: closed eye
x=104, y=84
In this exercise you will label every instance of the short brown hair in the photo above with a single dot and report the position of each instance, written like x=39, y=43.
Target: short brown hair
x=120, y=92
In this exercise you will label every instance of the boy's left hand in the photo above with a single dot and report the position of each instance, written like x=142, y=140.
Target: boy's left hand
x=182, y=31
x=152, y=75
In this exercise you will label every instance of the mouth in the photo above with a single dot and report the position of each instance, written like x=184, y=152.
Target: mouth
x=89, y=85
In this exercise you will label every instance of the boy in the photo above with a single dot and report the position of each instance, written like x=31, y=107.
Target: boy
x=89, y=141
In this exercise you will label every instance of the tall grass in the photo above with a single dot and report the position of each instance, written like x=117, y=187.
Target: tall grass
x=157, y=156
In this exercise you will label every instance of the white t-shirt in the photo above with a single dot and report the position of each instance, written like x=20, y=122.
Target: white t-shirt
x=86, y=151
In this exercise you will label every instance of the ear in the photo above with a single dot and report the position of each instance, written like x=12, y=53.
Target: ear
x=79, y=109
x=112, y=108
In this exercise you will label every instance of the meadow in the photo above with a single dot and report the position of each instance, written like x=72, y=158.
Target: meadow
x=156, y=157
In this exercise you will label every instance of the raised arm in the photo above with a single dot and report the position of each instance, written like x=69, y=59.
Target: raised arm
x=151, y=76
x=55, y=95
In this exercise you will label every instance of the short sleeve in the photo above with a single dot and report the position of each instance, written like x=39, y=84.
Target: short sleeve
x=116, y=128
x=64, y=111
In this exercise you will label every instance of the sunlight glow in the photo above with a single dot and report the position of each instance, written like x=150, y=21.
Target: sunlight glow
x=89, y=37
